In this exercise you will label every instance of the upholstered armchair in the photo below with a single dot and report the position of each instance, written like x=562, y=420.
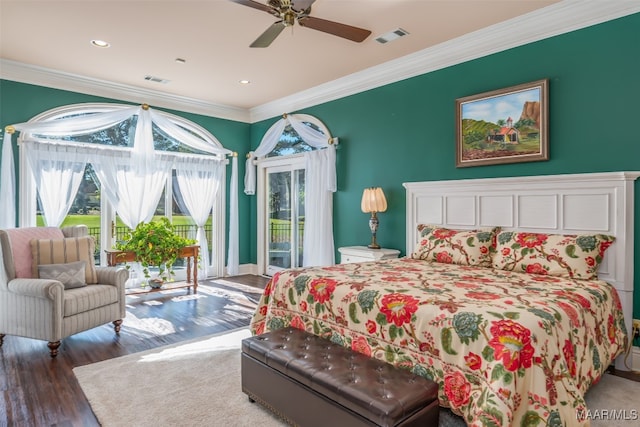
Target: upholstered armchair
x=51, y=288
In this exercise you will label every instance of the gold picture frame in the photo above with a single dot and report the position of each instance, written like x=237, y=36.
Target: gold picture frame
x=487, y=133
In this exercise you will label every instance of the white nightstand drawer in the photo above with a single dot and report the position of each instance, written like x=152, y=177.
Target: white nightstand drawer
x=351, y=254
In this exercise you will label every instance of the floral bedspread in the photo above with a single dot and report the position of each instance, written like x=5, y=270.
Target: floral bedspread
x=506, y=348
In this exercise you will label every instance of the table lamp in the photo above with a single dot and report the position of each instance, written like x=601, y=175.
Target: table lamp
x=373, y=201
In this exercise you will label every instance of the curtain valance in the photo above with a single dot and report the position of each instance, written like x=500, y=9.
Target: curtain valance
x=315, y=138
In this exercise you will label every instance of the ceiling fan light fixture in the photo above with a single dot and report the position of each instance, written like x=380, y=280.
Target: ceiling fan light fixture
x=392, y=35
x=288, y=18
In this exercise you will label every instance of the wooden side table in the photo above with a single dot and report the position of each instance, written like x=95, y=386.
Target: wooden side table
x=349, y=254
x=189, y=252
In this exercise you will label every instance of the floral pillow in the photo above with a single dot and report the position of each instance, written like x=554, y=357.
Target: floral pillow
x=449, y=246
x=565, y=255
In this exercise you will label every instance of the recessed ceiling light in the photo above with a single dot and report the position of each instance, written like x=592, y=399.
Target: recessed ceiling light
x=244, y=82
x=181, y=60
x=100, y=43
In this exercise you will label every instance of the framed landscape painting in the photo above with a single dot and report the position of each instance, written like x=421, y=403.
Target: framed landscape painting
x=508, y=125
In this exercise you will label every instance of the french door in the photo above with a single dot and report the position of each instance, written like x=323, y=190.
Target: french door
x=281, y=215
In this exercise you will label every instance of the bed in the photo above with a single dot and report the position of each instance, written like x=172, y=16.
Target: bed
x=515, y=295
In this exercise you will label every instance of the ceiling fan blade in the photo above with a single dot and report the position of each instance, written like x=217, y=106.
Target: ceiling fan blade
x=341, y=30
x=255, y=5
x=301, y=5
x=269, y=35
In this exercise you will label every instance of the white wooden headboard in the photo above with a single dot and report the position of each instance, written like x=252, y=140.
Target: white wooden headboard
x=561, y=204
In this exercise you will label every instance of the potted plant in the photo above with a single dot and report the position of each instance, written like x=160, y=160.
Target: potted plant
x=155, y=244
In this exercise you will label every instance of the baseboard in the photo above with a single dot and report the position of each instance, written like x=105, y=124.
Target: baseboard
x=245, y=269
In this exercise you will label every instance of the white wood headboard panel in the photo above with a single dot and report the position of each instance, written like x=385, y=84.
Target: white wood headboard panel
x=561, y=204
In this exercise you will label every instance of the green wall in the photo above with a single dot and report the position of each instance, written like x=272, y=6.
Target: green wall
x=19, y=102
x=406, y=131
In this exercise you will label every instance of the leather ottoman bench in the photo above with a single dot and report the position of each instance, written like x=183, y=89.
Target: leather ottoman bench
x=310, y=381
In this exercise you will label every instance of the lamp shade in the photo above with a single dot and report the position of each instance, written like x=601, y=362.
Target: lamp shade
x=373, y=200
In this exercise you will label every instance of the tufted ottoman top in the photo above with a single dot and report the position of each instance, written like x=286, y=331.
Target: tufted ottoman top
x=372, y=388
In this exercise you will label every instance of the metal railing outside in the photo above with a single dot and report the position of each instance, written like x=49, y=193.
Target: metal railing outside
x=187, y=231
x=281, y=231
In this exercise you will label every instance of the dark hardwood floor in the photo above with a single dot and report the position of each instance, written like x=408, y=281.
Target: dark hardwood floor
x=40, y=391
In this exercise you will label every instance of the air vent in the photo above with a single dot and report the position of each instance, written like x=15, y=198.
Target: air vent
x=392, y=35
x=156, y=79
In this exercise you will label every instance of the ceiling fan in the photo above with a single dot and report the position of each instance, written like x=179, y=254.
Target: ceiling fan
x=290, y=11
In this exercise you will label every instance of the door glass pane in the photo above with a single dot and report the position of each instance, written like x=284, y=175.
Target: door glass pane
x=279, y=219
x=299, y=237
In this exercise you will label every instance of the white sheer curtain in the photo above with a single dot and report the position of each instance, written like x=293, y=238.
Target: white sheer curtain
x=134, y=196
x=122, y=170
x=320, y=170
x=318, y=243
x=233, y=259
x=198, y=184
x=7, y=184
x=268, y=143
x=58, y=172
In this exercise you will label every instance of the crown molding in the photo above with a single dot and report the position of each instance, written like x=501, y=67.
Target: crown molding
x=30, y=74
x=559, y=18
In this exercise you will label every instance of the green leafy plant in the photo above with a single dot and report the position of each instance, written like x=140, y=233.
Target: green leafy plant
x=155, y=244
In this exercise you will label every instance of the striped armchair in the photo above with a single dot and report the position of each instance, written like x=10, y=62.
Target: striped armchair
x=51, y=288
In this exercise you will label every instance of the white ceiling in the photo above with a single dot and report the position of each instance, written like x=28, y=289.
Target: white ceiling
x=48, y=42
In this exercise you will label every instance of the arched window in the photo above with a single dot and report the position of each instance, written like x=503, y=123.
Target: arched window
x=131, y=163
x=290, y=141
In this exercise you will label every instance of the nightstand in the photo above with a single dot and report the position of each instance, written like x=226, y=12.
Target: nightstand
x=351, y=254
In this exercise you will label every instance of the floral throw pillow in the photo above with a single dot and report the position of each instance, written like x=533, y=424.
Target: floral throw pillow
x=449, y=246
x=565, y=255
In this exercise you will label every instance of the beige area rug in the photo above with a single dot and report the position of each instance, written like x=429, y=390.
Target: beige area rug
x=197, y=383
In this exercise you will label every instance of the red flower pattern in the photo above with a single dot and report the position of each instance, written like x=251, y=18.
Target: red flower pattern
x=444, y=257
x=531, y=240
x=361, y=345
x=371, y=326
x=536, y=268
x=511, y=343
x=569, y=357
x=457, y=389
x=603, y=247
x=473, y=361
x=443, y=233
x=571, y=313
x=321, y=289
x=297, y=322
x=398, y=308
